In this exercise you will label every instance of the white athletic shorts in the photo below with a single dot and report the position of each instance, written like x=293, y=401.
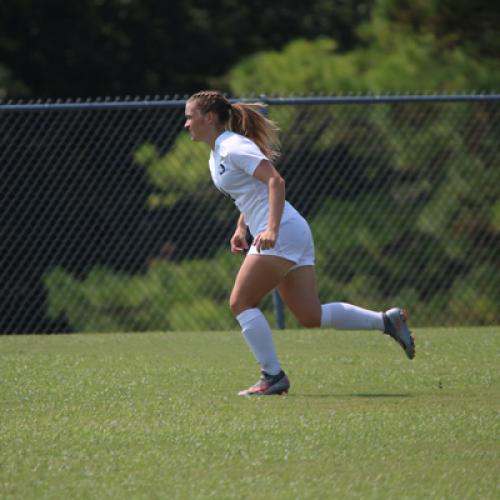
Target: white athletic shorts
x=295, y=243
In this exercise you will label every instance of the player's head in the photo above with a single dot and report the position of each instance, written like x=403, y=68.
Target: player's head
x=211, y=101
x=201, y=119
x=211, y=108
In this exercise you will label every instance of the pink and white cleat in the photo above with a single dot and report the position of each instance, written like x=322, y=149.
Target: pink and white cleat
x=268, y=385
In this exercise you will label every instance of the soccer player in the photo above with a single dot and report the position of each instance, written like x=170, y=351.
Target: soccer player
x=244, y=144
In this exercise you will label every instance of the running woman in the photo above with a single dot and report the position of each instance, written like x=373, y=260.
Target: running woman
x=243, y=146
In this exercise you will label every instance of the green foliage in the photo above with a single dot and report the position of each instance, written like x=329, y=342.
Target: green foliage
x=446, y=186
x=478, y=293
x=427, y=172
x=190, y=295
x=112, y=47
x=182, y=172
x=455, y=23
x=353, y=239
x=393, y=60
x=107, y=301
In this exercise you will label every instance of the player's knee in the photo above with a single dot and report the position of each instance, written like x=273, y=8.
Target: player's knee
x=238, y=304
x=234, y=306
x=310, y=320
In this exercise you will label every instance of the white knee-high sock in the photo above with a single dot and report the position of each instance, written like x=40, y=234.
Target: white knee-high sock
x=259, y=337
x=348, y=317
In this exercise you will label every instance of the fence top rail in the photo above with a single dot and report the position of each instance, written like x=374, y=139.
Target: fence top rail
x=272, y=101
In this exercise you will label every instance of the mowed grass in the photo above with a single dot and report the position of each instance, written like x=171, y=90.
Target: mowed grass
x=156, y=415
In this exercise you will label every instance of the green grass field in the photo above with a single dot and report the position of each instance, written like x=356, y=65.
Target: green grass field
x=156, y=416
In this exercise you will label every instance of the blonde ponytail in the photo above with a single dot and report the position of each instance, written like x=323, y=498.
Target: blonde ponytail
x=249, y=120
x=242, y=118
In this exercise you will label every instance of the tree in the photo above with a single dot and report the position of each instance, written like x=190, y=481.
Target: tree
x=117, y=47
x=455, y=23
x=447, y=215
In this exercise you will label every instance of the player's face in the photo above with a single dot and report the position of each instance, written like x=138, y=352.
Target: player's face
x=197, y=122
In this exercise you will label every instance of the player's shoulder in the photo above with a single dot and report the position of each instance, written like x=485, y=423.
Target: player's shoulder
x=233, y=142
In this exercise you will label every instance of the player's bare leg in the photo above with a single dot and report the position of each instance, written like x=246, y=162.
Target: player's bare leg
x=258, y=275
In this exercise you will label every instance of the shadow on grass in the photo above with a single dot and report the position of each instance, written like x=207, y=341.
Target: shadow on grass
x=354, y=395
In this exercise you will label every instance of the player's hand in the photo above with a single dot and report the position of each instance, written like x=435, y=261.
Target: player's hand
x=239, y=242
x=265, y=240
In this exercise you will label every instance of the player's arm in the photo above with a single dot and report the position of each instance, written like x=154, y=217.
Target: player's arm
x=239, y=239
x=241, y=224
x=267, y=174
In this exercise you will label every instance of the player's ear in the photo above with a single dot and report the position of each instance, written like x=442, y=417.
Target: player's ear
x=211, y=117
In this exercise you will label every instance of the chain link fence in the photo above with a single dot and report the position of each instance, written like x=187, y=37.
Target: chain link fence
x=109, y=221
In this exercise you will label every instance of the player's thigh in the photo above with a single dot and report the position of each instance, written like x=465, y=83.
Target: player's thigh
x=299, y=292
x=258, y=275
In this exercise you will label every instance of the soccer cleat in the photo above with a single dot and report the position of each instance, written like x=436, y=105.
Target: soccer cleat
x=395, y=326
x=268, y=384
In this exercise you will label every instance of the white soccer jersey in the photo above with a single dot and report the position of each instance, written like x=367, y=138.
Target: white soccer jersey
x=232, y=165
